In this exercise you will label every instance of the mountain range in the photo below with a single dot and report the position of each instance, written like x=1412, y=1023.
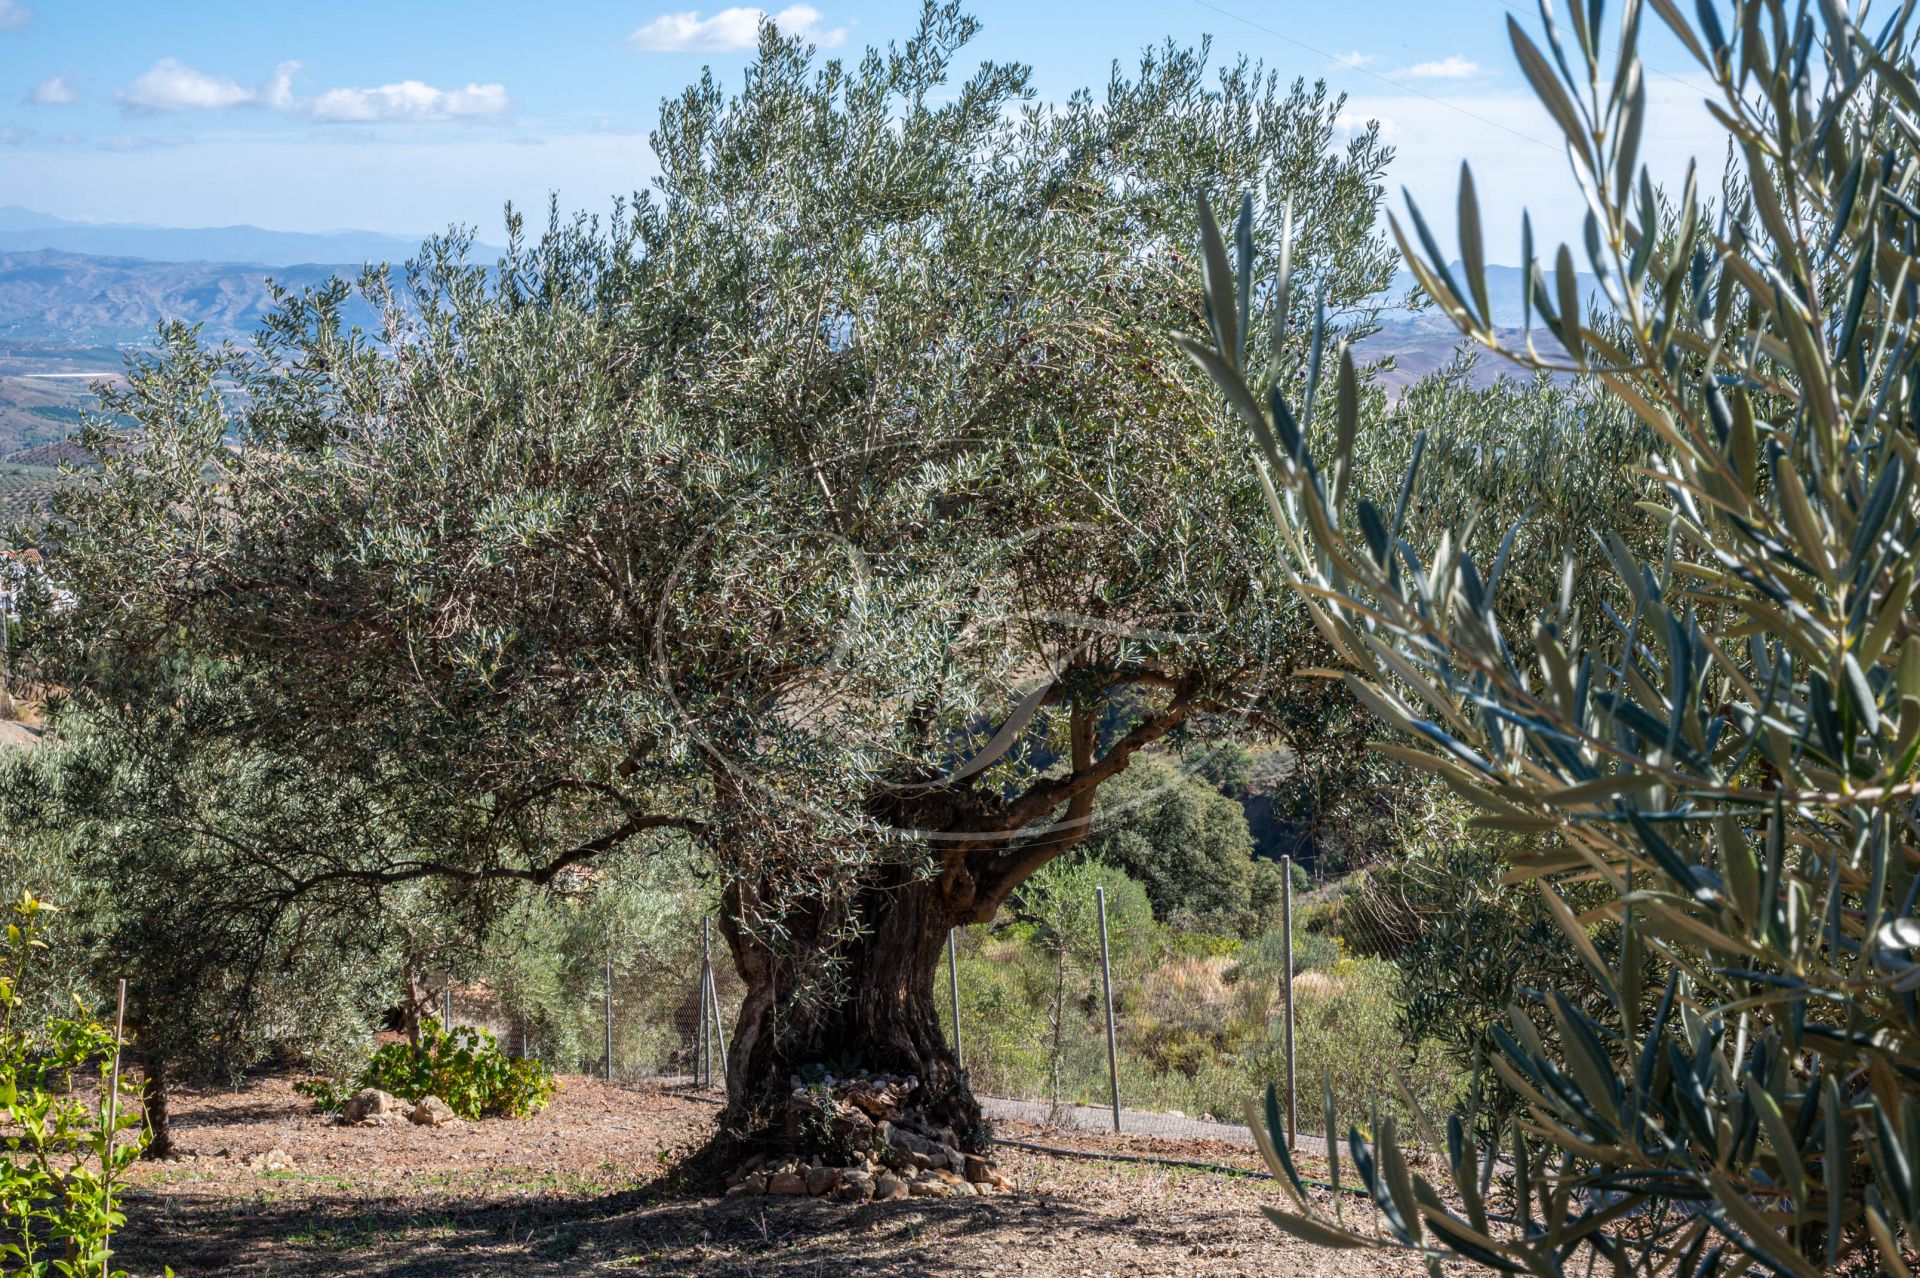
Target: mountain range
x=1504, y=299
x=23, y=230
x=74, y=296
x=49, y=297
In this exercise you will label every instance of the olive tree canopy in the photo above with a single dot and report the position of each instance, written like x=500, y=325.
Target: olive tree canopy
x=840, y=503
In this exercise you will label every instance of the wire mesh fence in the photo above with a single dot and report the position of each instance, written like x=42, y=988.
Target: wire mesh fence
x=657, y=1013
x=1156, y=1032
x=1199, y=1024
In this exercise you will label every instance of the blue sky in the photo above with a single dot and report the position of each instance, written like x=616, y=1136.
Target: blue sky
x=409, y=115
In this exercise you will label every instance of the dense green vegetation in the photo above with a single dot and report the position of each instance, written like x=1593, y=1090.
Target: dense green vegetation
x=810, y=512
x=64, y=1153
x=839, y=543
x=462, y=1065
x=1199, y=1014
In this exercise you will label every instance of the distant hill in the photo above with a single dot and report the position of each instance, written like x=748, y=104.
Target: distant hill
x=48, y=456
x=82, y=300
x=1504, y=298
x=1424, y=341
x=24, y=230
x=26, y=493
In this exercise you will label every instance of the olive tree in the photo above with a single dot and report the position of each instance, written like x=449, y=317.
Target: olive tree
x=839, y=504
x=979, y=544
x=1727, y=761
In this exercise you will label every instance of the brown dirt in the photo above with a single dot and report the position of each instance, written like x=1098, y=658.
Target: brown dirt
x=588, y=1187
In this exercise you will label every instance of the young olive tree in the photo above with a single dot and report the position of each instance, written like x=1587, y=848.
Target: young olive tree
x=1728, y=759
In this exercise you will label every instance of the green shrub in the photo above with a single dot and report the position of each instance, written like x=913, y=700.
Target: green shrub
x=463, y=1067
x=61, y=1171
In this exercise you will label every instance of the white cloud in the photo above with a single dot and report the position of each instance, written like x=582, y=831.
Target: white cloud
x=1519, y=161
x=729, y=31
x=1452, y=67
x=277, y=91
x=410, y=100
x=55, y=90
x=1352, y=124
x=171, y=85
x=1350, y=60
x=14, y=14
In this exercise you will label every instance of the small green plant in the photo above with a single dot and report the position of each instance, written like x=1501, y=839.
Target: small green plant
x=327, y=1094
x=463, y=1066
x=62, y=1164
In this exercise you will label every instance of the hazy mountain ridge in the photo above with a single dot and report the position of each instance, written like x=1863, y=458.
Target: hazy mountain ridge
x=25, y=230
x=84, y=300
x=1504, y=298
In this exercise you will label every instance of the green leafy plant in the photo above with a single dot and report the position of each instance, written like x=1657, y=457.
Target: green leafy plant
x=63, y=1153
x=463, y=1066
x=1725, y=759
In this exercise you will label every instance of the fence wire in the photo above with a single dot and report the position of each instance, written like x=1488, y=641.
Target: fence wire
x=1199, y=1022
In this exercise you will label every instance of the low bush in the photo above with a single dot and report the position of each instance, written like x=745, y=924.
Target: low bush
x=463, y=1067
x=61, y=1165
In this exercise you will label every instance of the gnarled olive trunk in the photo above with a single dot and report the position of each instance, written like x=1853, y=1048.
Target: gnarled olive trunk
x=852, y=978
x=867, y=1002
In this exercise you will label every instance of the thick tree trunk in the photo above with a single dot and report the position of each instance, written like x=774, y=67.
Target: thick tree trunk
x=850, y=985
x=417, y=1001
x=154, y=1099
x=862, y=1003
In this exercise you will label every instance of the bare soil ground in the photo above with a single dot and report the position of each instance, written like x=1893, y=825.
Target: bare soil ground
x=588, y=1187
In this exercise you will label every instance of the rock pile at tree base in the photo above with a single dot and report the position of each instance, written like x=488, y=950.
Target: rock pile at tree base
x=869, y=1145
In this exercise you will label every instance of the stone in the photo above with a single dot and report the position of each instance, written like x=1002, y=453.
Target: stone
x=372, y=1105
x=822, y=1180
x=930, y=1189
x=976, y=1169
x=272, y=1160
x=999, y=1179
x=432, y=1112
x=741, y=1190
x=854, y=1127
x=887, y=1185
x=787, y=1182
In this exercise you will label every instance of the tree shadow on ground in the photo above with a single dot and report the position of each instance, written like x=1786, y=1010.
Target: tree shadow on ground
x=651, y=1230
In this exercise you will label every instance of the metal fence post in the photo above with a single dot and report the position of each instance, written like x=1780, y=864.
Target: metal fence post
x=1106, y=977
x=607, y=1007
x=113, y=1095
x=717, y=1039
x=706, y=1026
x=1286, y=929
x=446, y=1006
x=953, y=990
